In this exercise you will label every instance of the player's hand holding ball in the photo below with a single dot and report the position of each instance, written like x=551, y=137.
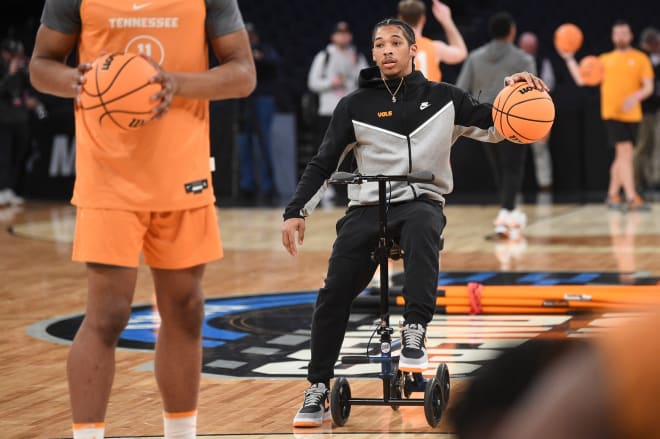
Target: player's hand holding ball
x=122, y=92
x=523, y=111
x=168, y=89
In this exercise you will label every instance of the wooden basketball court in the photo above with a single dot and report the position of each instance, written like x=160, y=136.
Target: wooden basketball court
x=40, y=286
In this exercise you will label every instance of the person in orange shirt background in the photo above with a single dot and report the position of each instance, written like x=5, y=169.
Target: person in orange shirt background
x=627, y=80
x=146, y=191
x=432, y=52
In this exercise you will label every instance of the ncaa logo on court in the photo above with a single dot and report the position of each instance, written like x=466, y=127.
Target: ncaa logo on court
x=268, y=335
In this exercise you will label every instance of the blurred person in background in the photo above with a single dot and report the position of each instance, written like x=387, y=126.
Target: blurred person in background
x=528, y=42
x=647, y=149
x=257, y=111
x=481, y=76
x=431, y=53
x=333, y=75
x=17, y=100
x=627, y=81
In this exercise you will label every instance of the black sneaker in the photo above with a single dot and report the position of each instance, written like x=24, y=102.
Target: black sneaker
x=315, y=409
x=413, y=352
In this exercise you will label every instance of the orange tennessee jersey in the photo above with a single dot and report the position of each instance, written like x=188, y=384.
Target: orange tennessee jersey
x=426, y=60
x=624, y=72
x=164, y=165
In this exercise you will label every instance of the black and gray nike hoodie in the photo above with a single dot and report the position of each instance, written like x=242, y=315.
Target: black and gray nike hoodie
x=415, y=133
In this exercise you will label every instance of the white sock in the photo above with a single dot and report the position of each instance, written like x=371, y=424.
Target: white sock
x=181, y=425
x=88, y=430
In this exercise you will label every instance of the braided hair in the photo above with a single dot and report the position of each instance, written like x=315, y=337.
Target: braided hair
x=408, y=31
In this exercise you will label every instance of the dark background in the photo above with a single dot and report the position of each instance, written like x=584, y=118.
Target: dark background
x=300, y=28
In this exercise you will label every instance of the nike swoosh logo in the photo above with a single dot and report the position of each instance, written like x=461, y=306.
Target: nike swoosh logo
x=137, y=7
x=424, y=105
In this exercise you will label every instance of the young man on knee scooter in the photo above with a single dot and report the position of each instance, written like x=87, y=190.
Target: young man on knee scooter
x=397, y=122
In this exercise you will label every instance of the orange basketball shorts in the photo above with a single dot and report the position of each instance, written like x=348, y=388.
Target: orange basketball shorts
x=169, y=240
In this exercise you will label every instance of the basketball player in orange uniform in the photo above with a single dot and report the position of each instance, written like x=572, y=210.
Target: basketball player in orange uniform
x=146, y=190
x=431, y=52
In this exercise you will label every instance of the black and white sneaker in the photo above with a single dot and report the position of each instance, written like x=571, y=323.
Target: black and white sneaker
x=413, y=352
x=315, y=409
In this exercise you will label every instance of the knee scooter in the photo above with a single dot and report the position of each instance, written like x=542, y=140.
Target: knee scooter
x=396, y=383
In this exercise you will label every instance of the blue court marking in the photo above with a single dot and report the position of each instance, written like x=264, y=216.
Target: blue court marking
x=143, y=324
x=547, y=279
x=476, y=277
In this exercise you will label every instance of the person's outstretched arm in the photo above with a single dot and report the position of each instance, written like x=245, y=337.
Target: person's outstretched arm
x=456, y=51
x=572, y=65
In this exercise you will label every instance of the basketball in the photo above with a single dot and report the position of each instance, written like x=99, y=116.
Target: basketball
x=591, y=70
x=117, y=92
x=568, y=38
x=522, y=113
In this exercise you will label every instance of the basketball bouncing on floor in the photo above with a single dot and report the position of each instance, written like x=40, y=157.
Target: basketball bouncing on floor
x=398, y=385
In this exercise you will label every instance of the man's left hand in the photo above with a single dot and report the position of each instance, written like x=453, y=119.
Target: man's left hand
x=629, y=103
x=527, y=77
x=167, y=91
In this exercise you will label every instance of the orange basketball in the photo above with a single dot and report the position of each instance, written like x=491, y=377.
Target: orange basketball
x=568, y=38
x=117, y=92
x=591, y=70
x=522, y=113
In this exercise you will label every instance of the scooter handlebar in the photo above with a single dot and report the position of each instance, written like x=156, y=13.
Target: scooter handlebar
x=421, y=177
x=340, y=177
x=350, y=178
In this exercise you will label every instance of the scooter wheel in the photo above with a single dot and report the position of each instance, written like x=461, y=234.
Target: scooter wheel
x=340, y=401
x=442, y=375
x=433, y=402
x=396, y=388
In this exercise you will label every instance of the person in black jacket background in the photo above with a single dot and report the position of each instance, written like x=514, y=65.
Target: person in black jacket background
x=257, y=112
x=397, y=122
x=16, y=101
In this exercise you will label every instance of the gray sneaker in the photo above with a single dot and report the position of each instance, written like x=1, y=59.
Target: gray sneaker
x=315, y=409
x=413, y=356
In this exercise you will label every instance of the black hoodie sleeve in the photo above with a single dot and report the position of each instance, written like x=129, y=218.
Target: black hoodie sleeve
x=469, y=112
x=339, y=135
